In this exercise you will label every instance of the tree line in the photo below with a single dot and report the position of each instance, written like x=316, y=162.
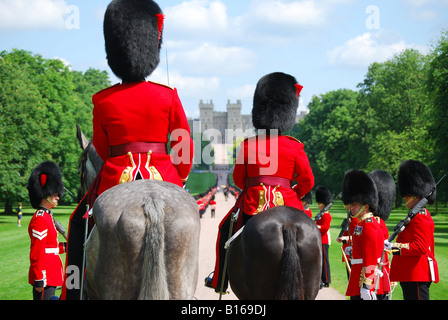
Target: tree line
x=41, y=101
x=399, y=112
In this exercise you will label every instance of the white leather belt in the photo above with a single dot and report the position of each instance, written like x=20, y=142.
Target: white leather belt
x=52, y=250
x=360, y=261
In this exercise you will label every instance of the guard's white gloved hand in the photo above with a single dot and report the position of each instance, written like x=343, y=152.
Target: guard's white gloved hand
x=367, y=295
x=348, y=250
x=388, y=245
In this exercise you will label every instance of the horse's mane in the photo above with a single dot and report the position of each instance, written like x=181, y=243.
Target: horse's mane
x=97, y=162
x=89, y=153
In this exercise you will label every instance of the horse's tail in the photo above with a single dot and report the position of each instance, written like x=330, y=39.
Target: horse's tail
x=291, y=277
x=154, y=275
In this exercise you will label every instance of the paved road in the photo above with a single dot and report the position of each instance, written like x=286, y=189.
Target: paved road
x=209, y=229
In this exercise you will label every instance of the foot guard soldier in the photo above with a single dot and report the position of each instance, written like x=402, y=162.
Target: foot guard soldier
x=385, y=185
x=268, y=163
x=414, y=264
x=323, y=222
x=359, y=192
x=45, y=187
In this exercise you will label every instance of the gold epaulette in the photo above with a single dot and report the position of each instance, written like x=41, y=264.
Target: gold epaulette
x=162, y=85
x=295, y=139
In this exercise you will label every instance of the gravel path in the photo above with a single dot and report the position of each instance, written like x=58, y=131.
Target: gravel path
x=209, y=229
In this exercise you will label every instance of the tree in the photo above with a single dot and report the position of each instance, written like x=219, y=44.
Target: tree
x=438, y=88
x=22, y=126
x=331, y=141
x=41, y=102
x=393, y=95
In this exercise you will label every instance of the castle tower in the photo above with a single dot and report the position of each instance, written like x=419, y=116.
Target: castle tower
x=234, y=120
x=206, y=114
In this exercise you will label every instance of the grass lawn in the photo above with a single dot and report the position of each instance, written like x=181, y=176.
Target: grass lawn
x=199, y=182
x=14, y=251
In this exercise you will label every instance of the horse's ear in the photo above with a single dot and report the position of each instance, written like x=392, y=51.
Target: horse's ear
x=83, y=142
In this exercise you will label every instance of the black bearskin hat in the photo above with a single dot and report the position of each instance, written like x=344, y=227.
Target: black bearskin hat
x=358, y=186
x=385, y=185
x=133, y=36
x=323, y=195
x=415, y=179
x=308, y=198
x=276, y=100
x=45, y=180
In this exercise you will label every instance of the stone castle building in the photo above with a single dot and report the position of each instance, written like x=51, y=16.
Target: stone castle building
x=232, y=119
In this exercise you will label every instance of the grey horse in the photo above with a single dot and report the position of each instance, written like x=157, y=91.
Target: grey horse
x=145, y=243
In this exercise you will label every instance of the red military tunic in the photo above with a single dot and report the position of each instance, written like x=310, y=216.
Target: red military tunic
x=141, y=112
x=347, y=237
x=417, y=262
x=386, y=264
x=46, y=265
x=323, y=224
x=272, y=156
x=368, y=245
x=308, y=212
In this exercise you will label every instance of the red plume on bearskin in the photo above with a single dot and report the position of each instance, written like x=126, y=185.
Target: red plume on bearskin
x=45, y=180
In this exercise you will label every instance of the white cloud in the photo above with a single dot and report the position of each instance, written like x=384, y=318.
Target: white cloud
x=294, y=14
x=210, y=59
x=243, y=92
x=188, y=86
x=197, y=17
x=366, y=49
x=33, y=14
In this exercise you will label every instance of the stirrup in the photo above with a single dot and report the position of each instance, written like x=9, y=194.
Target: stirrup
x=208, y=283
x=208, y=280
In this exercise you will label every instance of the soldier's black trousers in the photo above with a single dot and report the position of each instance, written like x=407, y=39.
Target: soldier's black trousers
x=415, y=290
x=75, y=247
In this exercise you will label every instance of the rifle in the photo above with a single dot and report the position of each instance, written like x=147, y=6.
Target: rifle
x=321, y=213
x=60, y=228
x=402, y=225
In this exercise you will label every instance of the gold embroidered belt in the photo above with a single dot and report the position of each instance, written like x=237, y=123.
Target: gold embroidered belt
x=268, y=181
x=137, y=147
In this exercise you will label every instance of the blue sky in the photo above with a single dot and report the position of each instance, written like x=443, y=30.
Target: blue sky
x=220, y=49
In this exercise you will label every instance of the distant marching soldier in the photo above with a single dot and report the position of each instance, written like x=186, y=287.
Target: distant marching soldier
x=414, y=264
x=268, y=163
x=133, y=120
x=323, y=222
x=45, y=187
x=359, y=192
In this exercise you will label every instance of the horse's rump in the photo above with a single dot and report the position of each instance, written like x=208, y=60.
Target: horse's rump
x=145, y=243
x=277, y=256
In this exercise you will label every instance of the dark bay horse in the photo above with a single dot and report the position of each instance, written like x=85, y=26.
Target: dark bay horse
x=145, y=243
x=276, y=257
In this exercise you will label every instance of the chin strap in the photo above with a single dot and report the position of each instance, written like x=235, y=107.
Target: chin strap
x=363, y=207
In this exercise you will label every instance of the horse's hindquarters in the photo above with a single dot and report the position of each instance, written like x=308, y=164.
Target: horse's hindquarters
x=278, y=248
x=148, y=242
